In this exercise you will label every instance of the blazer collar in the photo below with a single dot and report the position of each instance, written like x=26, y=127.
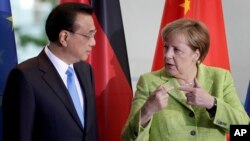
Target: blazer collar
x=203, y=77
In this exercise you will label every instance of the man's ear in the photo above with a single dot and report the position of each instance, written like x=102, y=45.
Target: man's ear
x=63, y=37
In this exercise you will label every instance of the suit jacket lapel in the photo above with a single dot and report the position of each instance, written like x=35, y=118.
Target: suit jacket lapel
x=175, y=93
x=84, y=78
x=203, y=78
x=54, y=81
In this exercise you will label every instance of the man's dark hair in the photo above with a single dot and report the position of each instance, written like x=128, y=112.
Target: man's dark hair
x=62, y=17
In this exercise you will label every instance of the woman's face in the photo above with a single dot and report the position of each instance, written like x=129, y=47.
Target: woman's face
x=180, y=59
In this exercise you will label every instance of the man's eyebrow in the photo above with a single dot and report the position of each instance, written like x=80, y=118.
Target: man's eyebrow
x=91, y=31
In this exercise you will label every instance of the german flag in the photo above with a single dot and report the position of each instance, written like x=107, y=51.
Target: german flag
x=111, y=69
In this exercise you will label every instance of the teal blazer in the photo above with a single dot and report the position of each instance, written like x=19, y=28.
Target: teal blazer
x=180, y=121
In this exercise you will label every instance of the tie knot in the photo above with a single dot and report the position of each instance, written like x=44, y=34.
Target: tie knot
x=69, y=71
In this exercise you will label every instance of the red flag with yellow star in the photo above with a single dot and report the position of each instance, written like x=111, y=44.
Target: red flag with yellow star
x=209, y=12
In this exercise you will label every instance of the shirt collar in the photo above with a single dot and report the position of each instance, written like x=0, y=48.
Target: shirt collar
x=59, y=64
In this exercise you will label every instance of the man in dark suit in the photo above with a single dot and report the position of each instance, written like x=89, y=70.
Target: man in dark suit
x=39, y=103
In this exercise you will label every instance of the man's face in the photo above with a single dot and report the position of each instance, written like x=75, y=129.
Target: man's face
x=82, y=39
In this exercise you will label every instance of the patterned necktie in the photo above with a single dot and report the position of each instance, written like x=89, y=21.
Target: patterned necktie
x=73, y=93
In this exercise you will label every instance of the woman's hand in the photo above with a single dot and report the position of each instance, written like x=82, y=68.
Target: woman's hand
x=198, y=96
x=156, y=102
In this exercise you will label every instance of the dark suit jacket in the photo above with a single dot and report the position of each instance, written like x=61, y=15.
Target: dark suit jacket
x=38, y=107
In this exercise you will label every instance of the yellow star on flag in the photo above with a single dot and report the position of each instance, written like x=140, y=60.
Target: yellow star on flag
x=11, y=21
x=186, y=6
x=9, y=18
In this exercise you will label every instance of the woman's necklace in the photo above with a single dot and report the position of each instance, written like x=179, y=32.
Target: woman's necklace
x=186, y=84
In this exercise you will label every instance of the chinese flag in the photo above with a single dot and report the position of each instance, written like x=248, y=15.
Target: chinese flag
x=209, y=12
x=111, y=70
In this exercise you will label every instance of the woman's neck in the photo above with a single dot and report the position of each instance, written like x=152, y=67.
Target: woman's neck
x=188, y=78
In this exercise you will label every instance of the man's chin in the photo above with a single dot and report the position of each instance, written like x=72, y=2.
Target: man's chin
x=84, y=58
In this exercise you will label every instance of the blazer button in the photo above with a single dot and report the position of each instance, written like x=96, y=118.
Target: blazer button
x=191, y=114
x=136, y=133
x=193, y=133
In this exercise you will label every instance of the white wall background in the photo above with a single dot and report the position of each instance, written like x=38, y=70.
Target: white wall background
x=142, y=19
